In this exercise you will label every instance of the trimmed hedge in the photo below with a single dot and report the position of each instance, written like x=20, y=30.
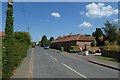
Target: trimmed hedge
x=12, y=56
x=74, y=49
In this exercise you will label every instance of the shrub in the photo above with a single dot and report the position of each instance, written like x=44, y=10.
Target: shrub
x=74, y=49
x=94, y=43
x=112, y=48
x=12, y=56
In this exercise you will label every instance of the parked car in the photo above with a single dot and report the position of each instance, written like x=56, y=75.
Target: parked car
x=46, y=47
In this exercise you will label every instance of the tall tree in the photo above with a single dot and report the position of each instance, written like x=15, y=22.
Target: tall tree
x=111, y=31
x=51, y=38
x=9, y=38
x=98, y=34
x=9, y=30
x=43, y=40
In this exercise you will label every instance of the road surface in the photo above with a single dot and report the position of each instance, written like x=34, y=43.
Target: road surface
x=45, y=63
x=50, y=64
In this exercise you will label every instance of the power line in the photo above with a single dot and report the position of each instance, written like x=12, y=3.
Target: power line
x=23, y=10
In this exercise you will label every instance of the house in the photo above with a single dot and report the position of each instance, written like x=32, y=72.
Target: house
x=2, y=35
x=72, y=40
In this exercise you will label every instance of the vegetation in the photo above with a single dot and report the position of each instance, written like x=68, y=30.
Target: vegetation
x=9, y=24
x=51, y=38
x=74, y=49
x=44, y=41
x=107, y=58
x=12, y=57
x=111, y=31
x=23, y=37
x=94, y=43
x=113, y=47
x=14, y=46
x=98, y=34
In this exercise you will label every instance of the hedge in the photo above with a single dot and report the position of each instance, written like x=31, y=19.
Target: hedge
x=12, y=56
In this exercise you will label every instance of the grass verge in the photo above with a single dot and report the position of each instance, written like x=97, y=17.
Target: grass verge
x=107, y=58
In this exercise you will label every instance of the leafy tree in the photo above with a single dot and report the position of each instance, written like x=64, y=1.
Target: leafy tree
x=43, y=40
x=111, y=31
x=9, y=30
x=94, y=43
x=9, y=38
x=87, y=35
x=118, y=37
x=51, y=38
x=48, y=42
x=23, y=37
x=98, y=34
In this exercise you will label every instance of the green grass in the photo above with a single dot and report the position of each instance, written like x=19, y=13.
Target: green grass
x=107, y=58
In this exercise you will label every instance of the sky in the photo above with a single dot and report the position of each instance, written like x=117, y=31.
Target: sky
x=55, y=19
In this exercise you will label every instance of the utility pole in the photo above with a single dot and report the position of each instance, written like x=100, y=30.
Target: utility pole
x=28, y=28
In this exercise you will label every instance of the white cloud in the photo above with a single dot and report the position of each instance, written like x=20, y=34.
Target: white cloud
x=82, y=12
x=116, y=20
x=85, y=24
x=55, y=14
x=99, y=10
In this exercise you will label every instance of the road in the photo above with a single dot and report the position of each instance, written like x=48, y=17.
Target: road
x=50, y=64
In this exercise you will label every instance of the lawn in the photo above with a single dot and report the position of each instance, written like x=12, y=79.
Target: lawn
x=107, y=58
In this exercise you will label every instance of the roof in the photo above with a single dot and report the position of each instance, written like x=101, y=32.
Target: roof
x=76, y=37
x=2, y=34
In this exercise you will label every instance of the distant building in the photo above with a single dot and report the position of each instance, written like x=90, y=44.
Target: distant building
x=2, y=35
x=72, y=40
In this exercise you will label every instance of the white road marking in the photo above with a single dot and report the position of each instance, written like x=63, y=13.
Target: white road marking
x=31, y=65
x=53, y=58
x=74, y=71
x=46, y=53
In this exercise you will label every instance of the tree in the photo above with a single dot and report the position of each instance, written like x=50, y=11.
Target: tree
x=9, y=41
x=98, y=34
x=9, y=30
x=23, y=37
x=48, y=42
x=111, y=31
x=51, y=38
x=43, y=40
x=87, y=35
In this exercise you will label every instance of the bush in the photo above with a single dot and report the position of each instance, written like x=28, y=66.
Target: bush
x=112, y=48
x=12, y=56
x=74, y=49
x=94, y=43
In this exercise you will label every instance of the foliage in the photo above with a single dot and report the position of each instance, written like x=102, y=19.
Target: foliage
x=48, y=42
x=113, y=47
x=107, y=58
x=118, y=42
x=94, y=43
x=98, y=34
x=43, y=40
x=9, y=24
x=87, y=35
x=51, y=38
x=93, y=49
x=74, y=49
x=111, y=31
x=14, y=46
x=23, y=37
x=12, y=56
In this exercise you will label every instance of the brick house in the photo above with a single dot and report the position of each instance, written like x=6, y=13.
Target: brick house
x=72, y=40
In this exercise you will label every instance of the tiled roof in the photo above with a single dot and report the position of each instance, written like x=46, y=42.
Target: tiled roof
x=2, y=34
x=76, y=37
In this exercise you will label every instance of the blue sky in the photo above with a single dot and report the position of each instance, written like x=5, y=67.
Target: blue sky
x=58, y=19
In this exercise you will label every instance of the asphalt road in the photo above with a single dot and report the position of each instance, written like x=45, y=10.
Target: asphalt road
x=50, y=64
